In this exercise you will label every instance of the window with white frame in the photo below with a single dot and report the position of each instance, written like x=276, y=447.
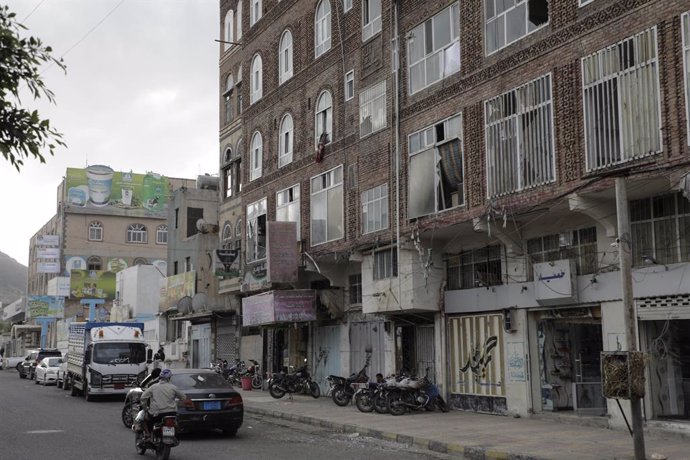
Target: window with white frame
x=660, y=228
x=385, y=264
x=347, y=5
x=326, y=211
x=519, y=138
x=509, y=21
x=372, y=109
x=371, y=18
x=162, y=234
x=685, y=25
x=323, y=119
x=227, y=235
x=286, y=141
x=95, y=231
x=136, y=233
x=227, y=98
x=287, y=207
x=285, y=57
x=433, y=49
x=256, y=81
x=349, y=85
x=473, y=268
x=255, y=12
x=585, y=2
x=256, y=230
x=257, y=156
x=579, y=245
x=355, y=283
x=228, y=29
x=238, y=18
x=621, y=101
x=375, y=209
x=436, y=178
x=322, y=28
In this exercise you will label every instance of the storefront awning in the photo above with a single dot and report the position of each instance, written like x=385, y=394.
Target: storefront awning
x=275, y=307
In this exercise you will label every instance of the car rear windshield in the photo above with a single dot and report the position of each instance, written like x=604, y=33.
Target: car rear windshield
x=54, y=362
x=119, y=353
x=199, y=381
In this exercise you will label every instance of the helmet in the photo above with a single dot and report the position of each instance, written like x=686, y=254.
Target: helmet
x=165, y=374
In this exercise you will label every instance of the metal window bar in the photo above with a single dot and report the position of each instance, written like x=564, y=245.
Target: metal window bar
x=372, y=109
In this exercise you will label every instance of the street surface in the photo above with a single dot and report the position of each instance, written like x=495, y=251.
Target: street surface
x=46, y=422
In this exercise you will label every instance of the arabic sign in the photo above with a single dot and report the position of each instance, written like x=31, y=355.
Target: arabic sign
x=296, y=305
x=516, y=361
x=282, y=252
x=92, y=284
x=114, y=192
x=48, y=253
x=477, y=355
x=45, y=305
x=48, y=240
x=226, y=262
x=48, y=267
x=554, y=282
x=174, y=287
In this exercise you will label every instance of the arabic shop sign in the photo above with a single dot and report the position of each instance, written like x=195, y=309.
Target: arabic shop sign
x=45, y=305
x=226, y=263
x=554, y=282
x=287, y=306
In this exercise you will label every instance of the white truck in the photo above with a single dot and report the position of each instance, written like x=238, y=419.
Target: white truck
x=105, y=358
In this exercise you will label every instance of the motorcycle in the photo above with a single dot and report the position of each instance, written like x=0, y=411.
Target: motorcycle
x=162, y=437
x=133, y=399
x=373, y=396
x=343, y=389
x=254, y=373
x=415, y=394
x=297, y=382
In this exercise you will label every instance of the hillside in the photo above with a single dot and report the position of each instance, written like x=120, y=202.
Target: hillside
x=13, y=279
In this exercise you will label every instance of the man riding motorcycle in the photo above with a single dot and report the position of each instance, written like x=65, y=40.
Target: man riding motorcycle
x=159, y=400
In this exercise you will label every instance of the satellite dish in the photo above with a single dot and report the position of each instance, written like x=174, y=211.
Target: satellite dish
x=184, y=305
x=199, y=301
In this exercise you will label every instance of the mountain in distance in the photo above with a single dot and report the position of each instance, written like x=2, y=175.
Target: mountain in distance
x=13, y=279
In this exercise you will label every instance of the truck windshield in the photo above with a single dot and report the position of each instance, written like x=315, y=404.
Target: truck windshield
x=119, y=353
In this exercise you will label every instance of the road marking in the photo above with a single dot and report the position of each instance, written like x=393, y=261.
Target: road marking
x=43, y=431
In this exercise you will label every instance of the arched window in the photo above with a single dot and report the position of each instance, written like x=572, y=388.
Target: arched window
x=227, y=156
x=256, y=156
x=228, y=29
x=238, y=16
x=140, y=261
x=322, y=28
x=162, y=234
x=285, y=57
x=136, y=233
x=95, y=231
x=255, y=13
x=238, y=90
x=286, y=141
x=323, y=119
x=256, y=82
x=227, y=236
x=227, y=96
x=94, y=263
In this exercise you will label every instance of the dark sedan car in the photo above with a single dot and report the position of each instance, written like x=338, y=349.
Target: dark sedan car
x=212, y=403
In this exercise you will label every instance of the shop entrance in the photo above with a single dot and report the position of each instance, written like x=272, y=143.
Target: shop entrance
x=570, y=344
x=668, y=347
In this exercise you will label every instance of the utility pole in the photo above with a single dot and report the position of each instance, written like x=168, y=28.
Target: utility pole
x=630, y=317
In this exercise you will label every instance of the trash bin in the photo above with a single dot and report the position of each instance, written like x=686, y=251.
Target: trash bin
x=247, y=383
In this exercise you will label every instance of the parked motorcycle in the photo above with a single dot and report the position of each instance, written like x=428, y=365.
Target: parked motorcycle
x=343, y=389
x=161, y=440
x=415, y=394
x=296, y=382
x=254, y=373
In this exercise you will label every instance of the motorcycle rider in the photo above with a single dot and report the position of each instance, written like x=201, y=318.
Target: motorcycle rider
x=159, y=400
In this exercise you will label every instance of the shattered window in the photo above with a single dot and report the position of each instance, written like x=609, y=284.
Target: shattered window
x=509, y=21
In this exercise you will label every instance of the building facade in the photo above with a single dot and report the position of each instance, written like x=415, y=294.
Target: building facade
x=450, y=169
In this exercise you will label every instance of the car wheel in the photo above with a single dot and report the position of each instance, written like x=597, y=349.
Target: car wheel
x=19, y=367
x=230, y=432
x=36, y=381
x=45, y=380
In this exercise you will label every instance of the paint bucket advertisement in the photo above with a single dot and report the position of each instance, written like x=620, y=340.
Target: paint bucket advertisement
x=92, y=284
x=45, y=306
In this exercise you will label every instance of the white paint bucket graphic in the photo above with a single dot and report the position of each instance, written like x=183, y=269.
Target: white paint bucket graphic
x=100, y=179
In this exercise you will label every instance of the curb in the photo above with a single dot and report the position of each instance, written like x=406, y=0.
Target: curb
x=454, y=449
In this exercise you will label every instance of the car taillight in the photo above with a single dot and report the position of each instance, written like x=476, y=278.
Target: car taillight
x=234, y=401
x=188, y=404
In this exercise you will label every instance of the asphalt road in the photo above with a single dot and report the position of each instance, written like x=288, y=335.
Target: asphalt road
x=39, y=422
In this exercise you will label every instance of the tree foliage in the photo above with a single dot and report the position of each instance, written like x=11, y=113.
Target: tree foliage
x=23, y=133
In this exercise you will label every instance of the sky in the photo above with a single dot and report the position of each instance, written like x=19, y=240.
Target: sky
x=140, y=93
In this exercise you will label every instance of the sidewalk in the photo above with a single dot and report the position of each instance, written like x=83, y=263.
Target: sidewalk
x=469, y=435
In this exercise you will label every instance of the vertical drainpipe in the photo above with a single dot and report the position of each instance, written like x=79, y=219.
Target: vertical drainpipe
x=396, y=73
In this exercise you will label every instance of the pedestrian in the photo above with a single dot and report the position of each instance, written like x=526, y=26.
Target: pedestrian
x=2, y=357
x=159, y=358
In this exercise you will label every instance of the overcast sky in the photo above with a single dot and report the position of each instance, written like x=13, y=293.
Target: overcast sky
x=140, y=94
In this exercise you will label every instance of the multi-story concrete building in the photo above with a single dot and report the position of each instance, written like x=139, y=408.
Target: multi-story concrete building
x=467, y=222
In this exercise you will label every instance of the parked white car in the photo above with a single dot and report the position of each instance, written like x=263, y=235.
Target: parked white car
x=46, y=371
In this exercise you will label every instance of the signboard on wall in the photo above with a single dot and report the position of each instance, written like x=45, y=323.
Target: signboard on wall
x=226, y=263
x=92, y=284
x=288, y=306
x=45, y=305
x=48, y=240
x=117, y=193
x=48, y=267
x=48, y=253
x=282, y=255
x=174, y=287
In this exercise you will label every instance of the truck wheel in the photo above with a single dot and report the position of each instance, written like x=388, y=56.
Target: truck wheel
x=73, y=389
x=65, y=383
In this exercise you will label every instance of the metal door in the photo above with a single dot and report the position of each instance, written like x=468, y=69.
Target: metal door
x=363, y=336
x=201, y=350
x=424, y=350
x=326, y=359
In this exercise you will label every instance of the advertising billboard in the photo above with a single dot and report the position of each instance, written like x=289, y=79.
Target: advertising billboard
x=114, y=192
x=48, y=267
x=48, y=253
x=45, y=305
x=173, y=288
x=48, y=240
x=92, y=284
